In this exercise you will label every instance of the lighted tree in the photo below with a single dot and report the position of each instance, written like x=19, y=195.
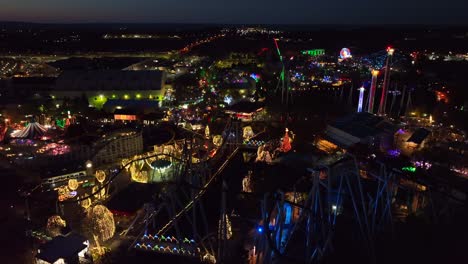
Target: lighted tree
x=218, y=140
x=100, y=176
x=286, y=144
x=86, y=203
x=247, y=132
x=99, y=222
x=209, y=258
x=228, y=230
x=73, y=184
x=55, y=224
x=207, y=131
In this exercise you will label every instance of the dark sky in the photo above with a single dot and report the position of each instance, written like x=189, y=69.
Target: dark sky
x=239, y=11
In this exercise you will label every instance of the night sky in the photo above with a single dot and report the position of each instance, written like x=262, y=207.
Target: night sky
x=238, y=11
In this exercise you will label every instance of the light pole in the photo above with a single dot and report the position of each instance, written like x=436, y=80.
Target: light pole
x=383, y=97
x=370, y=108
x=89, y=168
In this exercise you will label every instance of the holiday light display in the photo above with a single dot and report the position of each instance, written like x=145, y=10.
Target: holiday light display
x=247, y=184
x=86, y=203
x=55, y=224
x=228, y=227
x=101, y=222
x=168, y=245
x=217, y=140
x=54, y=149
x=286, y=142
x=207, y=132
x=73, y=184
x=247, y=132
x=100, y=176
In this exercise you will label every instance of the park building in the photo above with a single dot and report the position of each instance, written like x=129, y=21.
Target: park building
x=362, y=128
x=118, y=145
x=100, y=86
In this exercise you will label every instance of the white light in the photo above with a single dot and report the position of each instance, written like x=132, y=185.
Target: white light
x=334, y=207
x=228, y=99
x=89, y=165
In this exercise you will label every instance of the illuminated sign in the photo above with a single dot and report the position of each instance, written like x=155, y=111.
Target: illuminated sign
x=314, y=52
x=125, y=117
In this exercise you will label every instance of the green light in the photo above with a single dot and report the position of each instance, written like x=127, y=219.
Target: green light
x=126, y=96
x=138, y=96
x=314, y=52
x=278, y=50
x=60, y=123
x=114, y=96
x=410, y=169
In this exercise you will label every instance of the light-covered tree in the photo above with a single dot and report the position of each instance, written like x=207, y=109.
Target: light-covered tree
x=100, y=176
x=55, y=224
x=99, y=222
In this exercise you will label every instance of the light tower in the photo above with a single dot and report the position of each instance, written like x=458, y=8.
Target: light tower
x=284, y=78
x=370, y=107
x=383, y=97
x=361, y=99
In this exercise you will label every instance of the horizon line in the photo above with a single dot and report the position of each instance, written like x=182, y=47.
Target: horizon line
x=233, y=24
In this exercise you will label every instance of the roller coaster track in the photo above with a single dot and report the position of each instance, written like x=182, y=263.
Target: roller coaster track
x=104, y=185
x=116, y=174
x=199, y=195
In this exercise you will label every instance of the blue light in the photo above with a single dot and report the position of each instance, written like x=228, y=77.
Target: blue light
x=260, y=229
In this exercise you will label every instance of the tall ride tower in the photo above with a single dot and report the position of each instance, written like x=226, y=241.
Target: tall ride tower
x=383, y=97
x=284, y=78
x=361, y=99
x=370, y=107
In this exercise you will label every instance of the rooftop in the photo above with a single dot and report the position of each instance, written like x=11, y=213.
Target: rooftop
x=110, y=80
x=61, y=247
x=364, y=125
x=245, y=107
x=419, y=135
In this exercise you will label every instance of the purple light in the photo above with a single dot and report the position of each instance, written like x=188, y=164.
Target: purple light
x=255, y=76
x=394, y=153
x=400, y=131
x=361, y=99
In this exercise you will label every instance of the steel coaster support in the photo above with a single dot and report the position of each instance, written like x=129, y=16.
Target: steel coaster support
x=222, y=231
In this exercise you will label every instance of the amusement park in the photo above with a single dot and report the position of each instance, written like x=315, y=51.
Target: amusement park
x=281, y=149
